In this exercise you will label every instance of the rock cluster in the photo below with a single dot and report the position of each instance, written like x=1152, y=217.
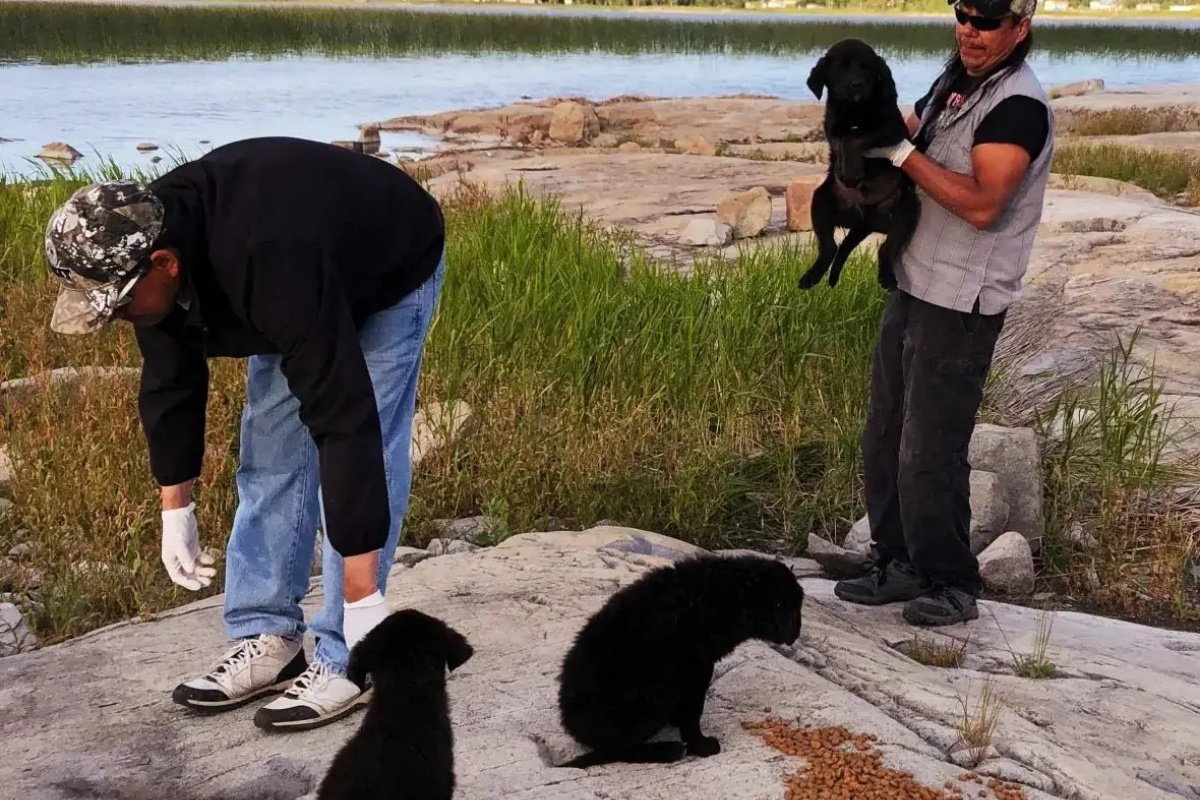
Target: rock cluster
x=1006, y=514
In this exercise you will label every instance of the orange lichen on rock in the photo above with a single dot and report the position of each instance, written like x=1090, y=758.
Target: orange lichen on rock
x=844, y=766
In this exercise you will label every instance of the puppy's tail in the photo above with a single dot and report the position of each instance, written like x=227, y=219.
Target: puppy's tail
x=645, y=753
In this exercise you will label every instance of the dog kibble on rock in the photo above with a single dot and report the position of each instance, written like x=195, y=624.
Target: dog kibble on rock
x=841, y=765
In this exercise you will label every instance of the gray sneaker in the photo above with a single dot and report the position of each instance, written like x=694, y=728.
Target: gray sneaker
x=253, y=668
x=942, y=606
x=897, y=582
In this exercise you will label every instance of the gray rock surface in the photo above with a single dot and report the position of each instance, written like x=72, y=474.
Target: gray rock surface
x=92, y=717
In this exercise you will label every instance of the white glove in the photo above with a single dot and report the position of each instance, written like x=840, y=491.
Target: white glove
x=361, y=616
x=896, y=153
x=181, y=554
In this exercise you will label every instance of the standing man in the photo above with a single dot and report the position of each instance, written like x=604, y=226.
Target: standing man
x=323, y=267
x=981, y=150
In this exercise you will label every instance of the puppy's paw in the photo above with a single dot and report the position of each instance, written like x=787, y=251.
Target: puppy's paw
x=809, y=279
x=704, y=747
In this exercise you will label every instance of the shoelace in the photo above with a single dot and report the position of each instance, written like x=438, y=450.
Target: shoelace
x=240, y=655
x=313, y=678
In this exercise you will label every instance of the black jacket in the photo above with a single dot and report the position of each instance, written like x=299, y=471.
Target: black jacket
x=286, y=246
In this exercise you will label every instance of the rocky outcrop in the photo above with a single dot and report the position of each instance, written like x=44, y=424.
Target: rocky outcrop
x=573, y=123
x=59, y=153
x=93, y=719
x=746, y=213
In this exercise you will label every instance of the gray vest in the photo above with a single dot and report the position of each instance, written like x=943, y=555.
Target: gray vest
x=951, y=263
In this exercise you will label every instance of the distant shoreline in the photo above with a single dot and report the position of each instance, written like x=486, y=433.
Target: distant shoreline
x=583, y=7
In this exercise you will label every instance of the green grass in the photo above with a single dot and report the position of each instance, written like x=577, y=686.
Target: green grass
x=722, y=408
x=1106, y=469
x=1166, y=174
x=56, y=33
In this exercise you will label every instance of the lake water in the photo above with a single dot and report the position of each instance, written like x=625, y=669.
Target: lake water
x=188, y=106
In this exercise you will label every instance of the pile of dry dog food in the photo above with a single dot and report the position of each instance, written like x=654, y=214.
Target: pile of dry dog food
x=844, y=766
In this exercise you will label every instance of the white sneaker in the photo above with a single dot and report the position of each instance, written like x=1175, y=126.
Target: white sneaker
x=252, y=668
x=316, y=698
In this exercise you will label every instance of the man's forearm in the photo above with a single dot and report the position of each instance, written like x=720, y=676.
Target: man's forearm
x=961, y=195
x=177, y=496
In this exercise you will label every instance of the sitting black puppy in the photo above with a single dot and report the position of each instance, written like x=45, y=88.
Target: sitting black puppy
x=645, y=659
x=404, y=749
x=864, y=195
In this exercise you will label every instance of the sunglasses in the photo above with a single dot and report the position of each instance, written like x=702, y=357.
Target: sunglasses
x=977, y=22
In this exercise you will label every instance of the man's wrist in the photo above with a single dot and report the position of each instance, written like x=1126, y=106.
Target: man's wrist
x=177, y=496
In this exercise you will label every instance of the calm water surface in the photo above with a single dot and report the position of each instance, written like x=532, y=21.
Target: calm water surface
x=188, y=107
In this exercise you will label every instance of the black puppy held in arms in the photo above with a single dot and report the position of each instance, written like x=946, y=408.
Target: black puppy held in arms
x=863, y=195
x=644, y=661
x=404, y=749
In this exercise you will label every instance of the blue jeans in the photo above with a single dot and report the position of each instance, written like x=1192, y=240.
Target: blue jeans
x=268, y=561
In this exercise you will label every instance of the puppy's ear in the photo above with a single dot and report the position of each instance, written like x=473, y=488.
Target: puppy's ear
x=458, y=649
x=817, y=77
x=886, y=84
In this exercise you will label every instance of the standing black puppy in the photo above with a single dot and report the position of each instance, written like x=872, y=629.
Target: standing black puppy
x=863, y=195
x=404, y=749
x=645, y=659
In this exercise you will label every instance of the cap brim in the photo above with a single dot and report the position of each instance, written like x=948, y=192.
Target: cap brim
x=74, y=314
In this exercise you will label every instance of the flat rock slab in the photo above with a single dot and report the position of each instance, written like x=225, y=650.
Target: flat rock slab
x=655, y=195
x=92, y=718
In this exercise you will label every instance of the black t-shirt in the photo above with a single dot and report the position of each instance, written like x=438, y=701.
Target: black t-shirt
x=1015, y=120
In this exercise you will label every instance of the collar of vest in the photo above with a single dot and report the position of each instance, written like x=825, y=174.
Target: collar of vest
x=980, y=90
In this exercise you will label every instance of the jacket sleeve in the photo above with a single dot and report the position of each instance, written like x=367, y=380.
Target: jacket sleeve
x=173, y=399
x=292, y=294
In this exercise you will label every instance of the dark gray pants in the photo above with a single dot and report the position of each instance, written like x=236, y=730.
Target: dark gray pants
x=927, y=377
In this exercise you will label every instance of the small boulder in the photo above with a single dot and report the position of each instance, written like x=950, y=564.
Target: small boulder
x=833, y=559
x=459, y=546
x=695, y=145
x=574, y=123
x=15, y=636
x=1078, y=88
x=747, y=213
x=629, y=147
x=438, y=424
x=799, y=202
x=1006, y=566
x=706, y=233
x=5, y=470
x=989, y=509
x=411, y=556
x=858, y=540
x=60, y=152
x=146, y=147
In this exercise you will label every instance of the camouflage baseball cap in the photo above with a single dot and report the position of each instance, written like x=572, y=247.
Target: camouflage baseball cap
x=1000, y=8
x=96, y=244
